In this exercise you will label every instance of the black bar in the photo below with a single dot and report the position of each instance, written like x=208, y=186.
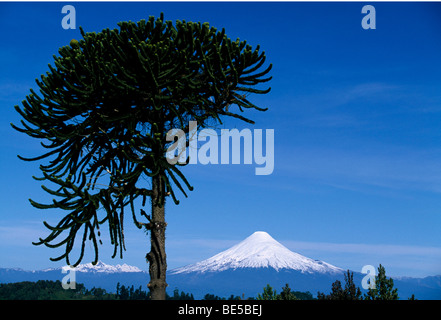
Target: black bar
x=215, y=310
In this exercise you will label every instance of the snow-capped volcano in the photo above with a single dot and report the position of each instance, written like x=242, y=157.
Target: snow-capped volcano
x=259, y=250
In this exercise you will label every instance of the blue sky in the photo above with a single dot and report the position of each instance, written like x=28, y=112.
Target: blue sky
x=356, y=114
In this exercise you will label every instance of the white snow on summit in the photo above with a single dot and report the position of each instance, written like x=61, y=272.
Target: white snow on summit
x=259, y=250
x=104, y=268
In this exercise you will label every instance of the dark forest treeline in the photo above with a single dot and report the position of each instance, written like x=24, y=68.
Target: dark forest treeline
x=53, y=290
x=49, y=290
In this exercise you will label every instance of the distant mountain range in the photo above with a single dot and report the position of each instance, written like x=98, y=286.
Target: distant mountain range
x=100, y=276
x=244, y=269
x=101, y=267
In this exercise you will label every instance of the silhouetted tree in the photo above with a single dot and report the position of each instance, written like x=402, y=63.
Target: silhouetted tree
x=384, y=287
x=180, y=296
x=268, y=294
x=350, y=292
x=210, y=296
x=286, y=294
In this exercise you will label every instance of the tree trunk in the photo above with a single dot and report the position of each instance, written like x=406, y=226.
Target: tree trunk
x=157, y=257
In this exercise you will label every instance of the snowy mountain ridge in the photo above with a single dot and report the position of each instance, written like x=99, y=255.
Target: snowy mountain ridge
x=259, y=250
x=101, y=267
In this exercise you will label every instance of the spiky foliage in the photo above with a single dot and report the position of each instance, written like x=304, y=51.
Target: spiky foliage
x=105, y=106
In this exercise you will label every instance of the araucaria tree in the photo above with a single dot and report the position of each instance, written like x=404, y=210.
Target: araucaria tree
x=103, y=111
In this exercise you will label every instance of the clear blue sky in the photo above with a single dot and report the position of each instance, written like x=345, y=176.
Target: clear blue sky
x=357, y=119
